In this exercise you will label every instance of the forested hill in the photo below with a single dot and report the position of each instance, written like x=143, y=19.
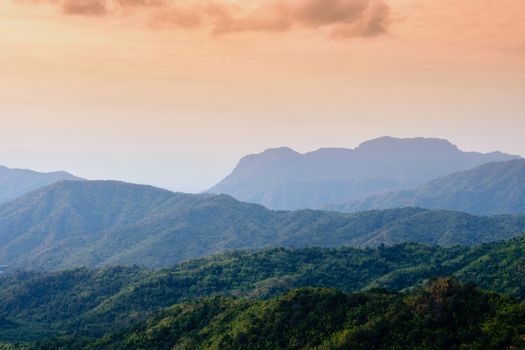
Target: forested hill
x=93, y=302
x=17, y=182
x=495, y=188
x=443, y=315
x=97, y=223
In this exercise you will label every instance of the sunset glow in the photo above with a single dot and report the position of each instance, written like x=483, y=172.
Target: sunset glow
x=85, y=82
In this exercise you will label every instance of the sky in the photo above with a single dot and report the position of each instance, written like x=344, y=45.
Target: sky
x=173, y=92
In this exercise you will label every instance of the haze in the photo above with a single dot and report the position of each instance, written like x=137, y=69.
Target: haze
x=173, y=93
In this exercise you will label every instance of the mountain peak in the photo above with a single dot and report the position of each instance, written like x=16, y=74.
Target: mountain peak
x=393, y=144
x=17, y=182
x=279, y=151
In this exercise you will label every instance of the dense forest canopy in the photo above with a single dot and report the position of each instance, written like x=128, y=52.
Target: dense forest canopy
x=92, y=302
x=444, y=314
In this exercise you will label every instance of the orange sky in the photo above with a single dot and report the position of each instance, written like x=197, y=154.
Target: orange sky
x=98, y=87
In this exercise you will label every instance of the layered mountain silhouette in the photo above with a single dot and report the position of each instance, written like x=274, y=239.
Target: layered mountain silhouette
x=495, y=188
x=17, y=182
x=284, y=179
x=96, y=223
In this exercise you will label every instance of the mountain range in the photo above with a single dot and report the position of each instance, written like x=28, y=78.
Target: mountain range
x=112, y=265
x=97, y=223
x=17, y=182
x=494, y=188
x=284, y=179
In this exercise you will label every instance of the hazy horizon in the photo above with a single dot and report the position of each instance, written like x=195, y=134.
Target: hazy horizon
x=198, y=172
x=173, y=93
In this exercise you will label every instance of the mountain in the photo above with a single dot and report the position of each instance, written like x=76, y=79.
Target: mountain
x=494, y=188
x=444, y=314
x=17, y=182
x=98, y=223
x=284, y=179
x=92, y=302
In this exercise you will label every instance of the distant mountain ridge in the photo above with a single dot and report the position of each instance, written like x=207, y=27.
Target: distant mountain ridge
x=494, y=188
x=17, y=182
x=99, y=223
x=284, y=179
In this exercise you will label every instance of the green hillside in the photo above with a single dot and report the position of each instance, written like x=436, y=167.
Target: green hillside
x=94, y=301
x=443, y=315
x=107, y=223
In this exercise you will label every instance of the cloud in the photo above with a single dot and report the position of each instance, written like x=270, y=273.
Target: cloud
x=143, y=3
x=374, y=21
x=84, y=7
x=178, y=16
x=341, y=18
x=345, y=18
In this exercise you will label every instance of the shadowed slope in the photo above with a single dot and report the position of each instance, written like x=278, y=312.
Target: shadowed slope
x=495, y=188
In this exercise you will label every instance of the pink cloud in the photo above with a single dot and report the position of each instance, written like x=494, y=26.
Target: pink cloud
x=84, y=7
x=343, y=18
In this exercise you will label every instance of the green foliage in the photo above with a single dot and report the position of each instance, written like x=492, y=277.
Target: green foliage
x=443, y=315
x=6, y=346
x=56, y=297
x=92, y=302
